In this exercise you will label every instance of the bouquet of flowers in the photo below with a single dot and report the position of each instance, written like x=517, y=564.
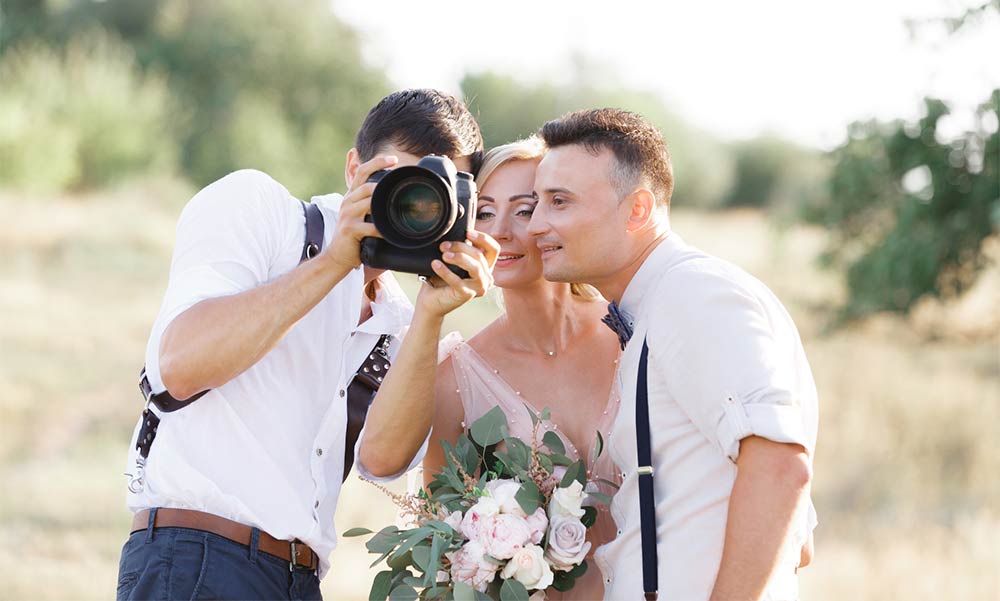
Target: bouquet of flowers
x=503, y=520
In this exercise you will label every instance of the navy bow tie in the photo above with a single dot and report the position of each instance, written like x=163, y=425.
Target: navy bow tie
x=617, y=321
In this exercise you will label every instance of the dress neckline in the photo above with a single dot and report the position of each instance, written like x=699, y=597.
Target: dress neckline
x=604, y=422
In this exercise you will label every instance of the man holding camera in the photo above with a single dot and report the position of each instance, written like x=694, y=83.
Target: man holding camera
x=282, y=339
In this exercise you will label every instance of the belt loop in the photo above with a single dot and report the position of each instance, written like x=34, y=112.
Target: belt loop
x=254, y=542
x=152, y=523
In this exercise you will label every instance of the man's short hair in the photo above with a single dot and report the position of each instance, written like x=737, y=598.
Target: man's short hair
x=421, y=122
x=639, y=150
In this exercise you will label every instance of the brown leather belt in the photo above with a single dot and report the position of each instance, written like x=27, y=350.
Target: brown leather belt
x=234, y=531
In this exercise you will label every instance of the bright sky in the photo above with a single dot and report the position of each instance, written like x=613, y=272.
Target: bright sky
x=801, y=69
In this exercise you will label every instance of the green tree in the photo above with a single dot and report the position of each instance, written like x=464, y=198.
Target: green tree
x=908, y=210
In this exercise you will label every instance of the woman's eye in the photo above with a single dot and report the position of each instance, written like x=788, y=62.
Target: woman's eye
x=482, y=216
x=525, y=212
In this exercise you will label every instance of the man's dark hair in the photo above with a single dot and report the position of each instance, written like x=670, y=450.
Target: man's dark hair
x=421, y=122
x=638, y=147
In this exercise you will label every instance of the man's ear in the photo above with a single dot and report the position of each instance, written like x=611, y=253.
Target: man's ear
x=351, y=166
x=643, y=209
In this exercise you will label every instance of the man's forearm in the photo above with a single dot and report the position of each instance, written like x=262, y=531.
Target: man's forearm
x=403, y=410
x=217, y=339
x=771, y=482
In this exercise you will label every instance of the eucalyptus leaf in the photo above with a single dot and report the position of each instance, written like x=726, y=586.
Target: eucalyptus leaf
x=600, y=497
x=421, y=556
x=529, y=497
x=490, y=428
x=554, y=443
x=399, y=560
x=380, y=586
x=599, y=447
x=546, y=415
x=589, y=516
x=403, y=592
x=385, y=539
x=356, y=532
x=562, y=581
x=572, y=473
x=579, y=570
x=464, y=592
x=512, y=590
x=531, y=412
x=438, y=545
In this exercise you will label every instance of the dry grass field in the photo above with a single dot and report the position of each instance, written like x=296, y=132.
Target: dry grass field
x=907, y=477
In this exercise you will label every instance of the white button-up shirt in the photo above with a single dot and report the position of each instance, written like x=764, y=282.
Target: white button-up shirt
x=725, y=362
x=265, y=449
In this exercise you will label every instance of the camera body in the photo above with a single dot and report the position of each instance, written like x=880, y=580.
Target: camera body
x=415, y=208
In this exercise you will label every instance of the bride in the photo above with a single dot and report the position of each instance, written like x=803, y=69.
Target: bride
x=548, y=349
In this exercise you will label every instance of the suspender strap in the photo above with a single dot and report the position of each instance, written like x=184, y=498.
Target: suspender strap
x=164, y=401
x=647, y=508
x=360, y=394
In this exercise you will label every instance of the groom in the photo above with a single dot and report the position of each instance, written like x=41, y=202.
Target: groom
x=731, y=399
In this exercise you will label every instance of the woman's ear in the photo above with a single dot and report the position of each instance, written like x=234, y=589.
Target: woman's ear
x=643, y=205
x=351, y=167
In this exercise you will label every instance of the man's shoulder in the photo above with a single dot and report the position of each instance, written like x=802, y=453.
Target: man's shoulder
x=696, y=279
x=244, y=190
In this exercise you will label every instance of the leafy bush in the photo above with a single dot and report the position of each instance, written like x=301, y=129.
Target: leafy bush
x=79, y=117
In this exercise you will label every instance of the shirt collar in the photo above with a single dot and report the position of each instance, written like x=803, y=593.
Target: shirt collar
x=391, y=309
x=648, y=274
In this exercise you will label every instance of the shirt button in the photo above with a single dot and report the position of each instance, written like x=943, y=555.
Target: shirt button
x=316, y=504
x=619, y=533
x=341, y=393
x=319, y=452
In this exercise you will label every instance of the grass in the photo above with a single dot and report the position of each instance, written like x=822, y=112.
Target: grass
x=906, y=469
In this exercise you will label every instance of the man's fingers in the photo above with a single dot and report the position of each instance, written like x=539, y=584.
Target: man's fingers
x=365, y=230
x=361, y=193
x=369, y=167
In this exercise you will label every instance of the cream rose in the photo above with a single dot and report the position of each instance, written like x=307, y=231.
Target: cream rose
x=568, y=544
x=567, y=502
x=528, y=566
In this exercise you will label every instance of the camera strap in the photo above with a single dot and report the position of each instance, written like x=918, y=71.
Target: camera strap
x=164, y=402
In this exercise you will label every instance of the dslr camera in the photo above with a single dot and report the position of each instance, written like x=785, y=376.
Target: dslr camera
x=415, y=208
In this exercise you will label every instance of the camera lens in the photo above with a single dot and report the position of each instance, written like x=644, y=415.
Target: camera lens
x=416, y=208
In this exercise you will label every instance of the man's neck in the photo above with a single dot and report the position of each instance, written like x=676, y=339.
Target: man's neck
x=613, y=287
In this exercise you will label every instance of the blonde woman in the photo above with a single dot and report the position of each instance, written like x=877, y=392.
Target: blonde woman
x=548, y=349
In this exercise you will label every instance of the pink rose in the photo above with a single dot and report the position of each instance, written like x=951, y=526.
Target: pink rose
x=528, y=566
x=475, y=516
x=568, y=544
x=469, y=565
x=538, y=523
x=504, y=535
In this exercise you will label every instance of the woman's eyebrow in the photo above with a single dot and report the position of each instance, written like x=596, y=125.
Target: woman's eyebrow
x=529, y=196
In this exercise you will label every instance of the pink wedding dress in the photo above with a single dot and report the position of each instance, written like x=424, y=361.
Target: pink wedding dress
x=481, y=388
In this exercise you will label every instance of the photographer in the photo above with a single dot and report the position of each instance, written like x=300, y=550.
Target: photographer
x=234, y=494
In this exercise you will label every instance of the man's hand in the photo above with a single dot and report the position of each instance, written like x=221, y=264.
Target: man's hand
x=446, y=292
x=345, y=249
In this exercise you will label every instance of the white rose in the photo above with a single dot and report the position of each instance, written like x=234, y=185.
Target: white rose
x=528, y=566
x=503, y=492
x=567, y=502
x=568, y=544
x=477, y=515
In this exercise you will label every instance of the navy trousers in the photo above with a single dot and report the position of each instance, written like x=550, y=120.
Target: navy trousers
x=180, y=563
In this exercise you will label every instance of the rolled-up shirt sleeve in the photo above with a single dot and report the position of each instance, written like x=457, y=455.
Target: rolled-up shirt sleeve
x=227, y=238
x=363, y=471
x=729, y=369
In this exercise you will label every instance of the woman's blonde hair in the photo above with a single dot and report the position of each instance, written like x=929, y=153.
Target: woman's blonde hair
x=531, y=148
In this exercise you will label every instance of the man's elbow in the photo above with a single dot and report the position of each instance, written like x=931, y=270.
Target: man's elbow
x=176, y=379
x=380, y=465
x=786, y=463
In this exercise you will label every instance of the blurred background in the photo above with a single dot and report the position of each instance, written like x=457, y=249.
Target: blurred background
x=846, y=154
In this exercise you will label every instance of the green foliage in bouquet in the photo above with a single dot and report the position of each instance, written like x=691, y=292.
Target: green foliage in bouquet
x=418, y=558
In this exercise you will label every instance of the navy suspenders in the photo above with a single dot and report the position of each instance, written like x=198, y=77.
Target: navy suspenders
x=647, y=507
